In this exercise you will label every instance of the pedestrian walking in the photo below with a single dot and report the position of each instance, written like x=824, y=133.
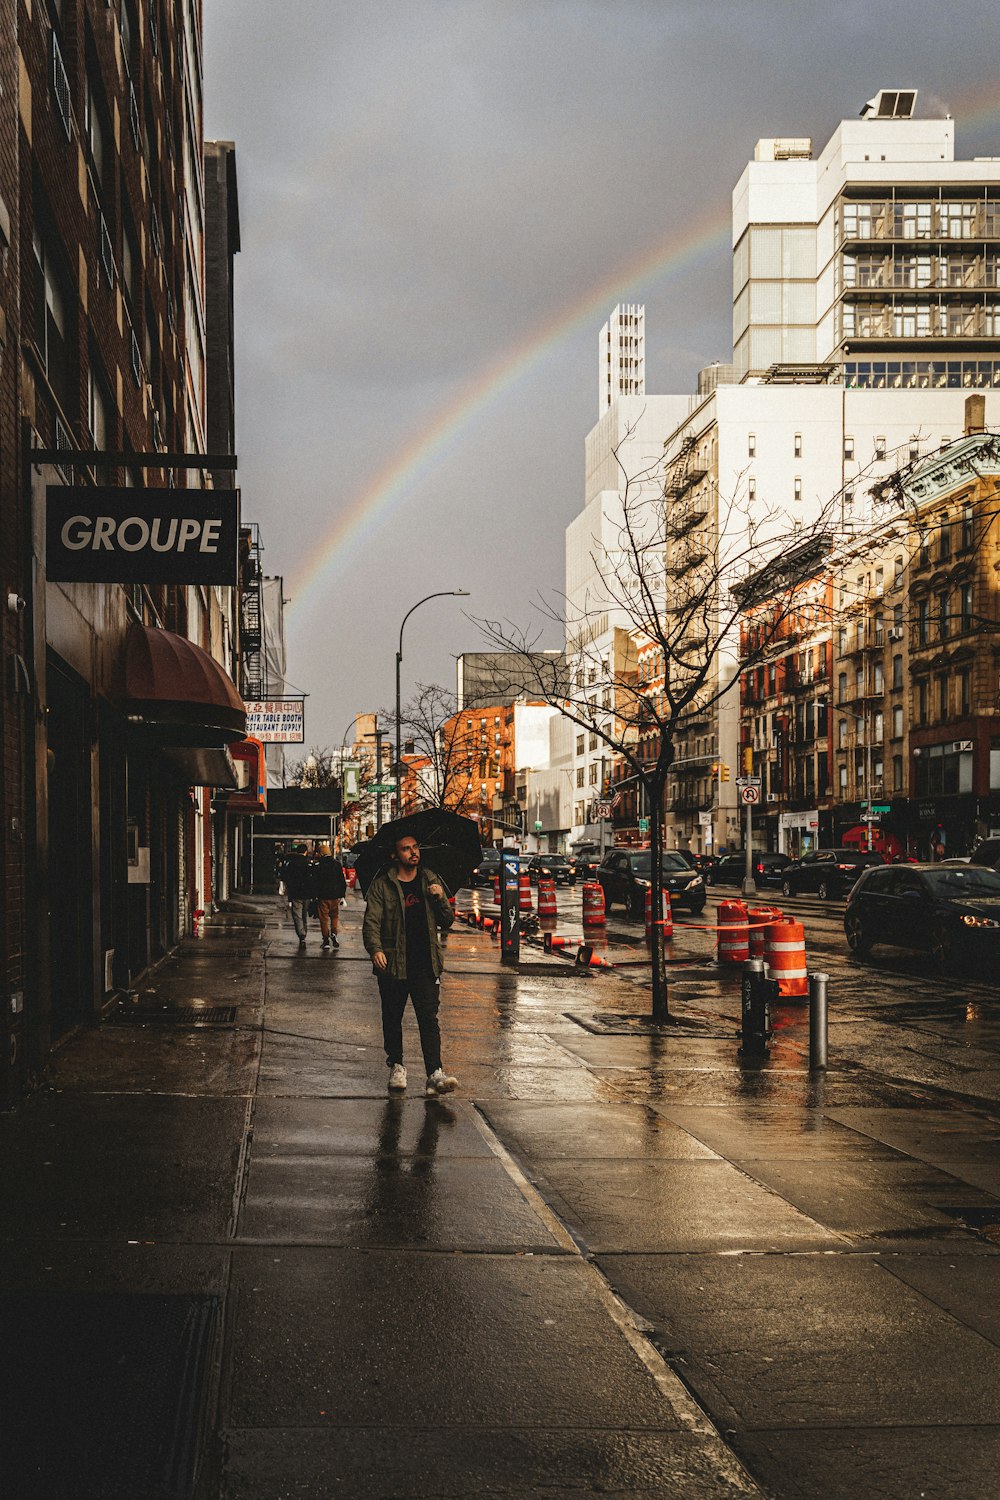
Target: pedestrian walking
x=329, y=885
x=299, y=889
x=406, y=906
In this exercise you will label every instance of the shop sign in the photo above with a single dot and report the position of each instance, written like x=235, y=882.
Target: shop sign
x=100, y=534
x=277, y=721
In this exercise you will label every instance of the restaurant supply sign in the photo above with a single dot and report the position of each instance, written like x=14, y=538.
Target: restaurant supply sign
x=101, y=534
x=277, y=721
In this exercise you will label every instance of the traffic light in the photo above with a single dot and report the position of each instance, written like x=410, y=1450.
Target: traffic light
x=725, y=773
x=748, y=760
x=715, y=771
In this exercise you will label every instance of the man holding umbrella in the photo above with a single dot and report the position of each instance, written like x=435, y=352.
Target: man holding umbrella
x=406, y=906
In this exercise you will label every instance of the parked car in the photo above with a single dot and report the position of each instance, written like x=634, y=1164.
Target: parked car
x=551, y=867
x=624, y=876
x=729, y=869
x=946, y=912
x=488, y=867
x=988, y=854
x=827, y=872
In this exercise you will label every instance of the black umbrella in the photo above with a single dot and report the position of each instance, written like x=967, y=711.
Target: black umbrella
x=449, y=845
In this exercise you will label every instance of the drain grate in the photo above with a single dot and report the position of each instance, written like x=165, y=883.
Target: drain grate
x=103, y=1393
x=175, y=1015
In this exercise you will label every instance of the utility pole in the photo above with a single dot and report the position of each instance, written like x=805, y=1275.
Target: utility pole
x=378, y=775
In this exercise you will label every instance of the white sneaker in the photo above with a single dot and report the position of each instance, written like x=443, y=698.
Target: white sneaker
x=440, y=1082
x=397, y=1078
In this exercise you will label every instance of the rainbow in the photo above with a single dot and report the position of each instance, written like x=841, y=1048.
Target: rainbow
x=976, y=108
x=356, y=522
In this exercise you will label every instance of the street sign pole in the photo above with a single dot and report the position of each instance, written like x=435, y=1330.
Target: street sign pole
x=510, y=907
x=749, y=884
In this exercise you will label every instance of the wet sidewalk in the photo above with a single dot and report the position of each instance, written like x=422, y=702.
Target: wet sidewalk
x=614, y=1263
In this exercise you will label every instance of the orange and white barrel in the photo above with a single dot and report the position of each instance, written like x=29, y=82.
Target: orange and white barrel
x=759, y=917
x=593, y=904
x=524, y=885
x=785, y=957
x=546, y=898
x=496, y=889
x=666, y=915
x=733, y=934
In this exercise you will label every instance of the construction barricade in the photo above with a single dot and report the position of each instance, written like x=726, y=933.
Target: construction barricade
x=785, y=957
x=496, y=890
x=593, y=905
x=759, y=917
x=733, y=934
x=524, y=886
x=666, y=922
x=546, y=898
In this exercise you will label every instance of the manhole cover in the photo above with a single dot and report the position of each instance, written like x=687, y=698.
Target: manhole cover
x=175, y=1015
x=102, y=1393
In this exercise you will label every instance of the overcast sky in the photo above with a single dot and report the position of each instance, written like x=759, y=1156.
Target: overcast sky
x=433, y=193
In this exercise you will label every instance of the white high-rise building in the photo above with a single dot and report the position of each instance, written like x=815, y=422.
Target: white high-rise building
x=621, y=364
x=879, y=256
x=866, y=305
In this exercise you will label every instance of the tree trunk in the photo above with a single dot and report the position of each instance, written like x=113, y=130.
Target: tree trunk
x=658, y=969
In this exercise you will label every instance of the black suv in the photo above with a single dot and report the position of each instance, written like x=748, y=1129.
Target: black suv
x=624, y=877
x=585, y=865
x=828, y=872
x=551, y=867
x=729, y=869
x=488, y=867
x=987, y=854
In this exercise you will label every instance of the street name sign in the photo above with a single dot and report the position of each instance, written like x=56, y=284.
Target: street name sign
x=374, y=787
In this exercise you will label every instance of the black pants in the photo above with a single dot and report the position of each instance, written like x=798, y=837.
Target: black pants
x=423, y=992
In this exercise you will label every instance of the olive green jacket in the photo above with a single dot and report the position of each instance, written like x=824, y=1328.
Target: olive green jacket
x=384, y=929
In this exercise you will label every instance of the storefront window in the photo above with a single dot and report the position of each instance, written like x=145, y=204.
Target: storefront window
x=942, y=769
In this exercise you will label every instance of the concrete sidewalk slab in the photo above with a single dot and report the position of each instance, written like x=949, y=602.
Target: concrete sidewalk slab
x=676, y=1206
x=814, y=1341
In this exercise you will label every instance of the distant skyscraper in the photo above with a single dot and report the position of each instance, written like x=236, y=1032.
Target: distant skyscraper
x=622, y=360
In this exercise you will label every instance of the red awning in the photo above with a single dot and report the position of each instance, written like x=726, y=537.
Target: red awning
x=253, y=797
x=173, y=687
x=858, y=835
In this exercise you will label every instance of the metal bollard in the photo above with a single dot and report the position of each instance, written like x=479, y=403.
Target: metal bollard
x=757, y=992
x=817, y=1020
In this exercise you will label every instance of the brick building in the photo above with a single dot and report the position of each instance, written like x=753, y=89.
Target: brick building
x=110, y=844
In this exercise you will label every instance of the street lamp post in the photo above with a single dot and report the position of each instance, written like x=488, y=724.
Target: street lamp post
x=441, y=594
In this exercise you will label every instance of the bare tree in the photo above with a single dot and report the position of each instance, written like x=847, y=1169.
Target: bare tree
x=430, y=731
x=675, y=574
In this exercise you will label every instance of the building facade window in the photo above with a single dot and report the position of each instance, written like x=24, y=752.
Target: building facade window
x=897, y=671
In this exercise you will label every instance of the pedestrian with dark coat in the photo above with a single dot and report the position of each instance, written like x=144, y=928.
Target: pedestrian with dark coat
x=329, y=885
x=299, y=889
x=406, y=906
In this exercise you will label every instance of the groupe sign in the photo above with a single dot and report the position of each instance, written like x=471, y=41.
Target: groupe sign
x=100, y=534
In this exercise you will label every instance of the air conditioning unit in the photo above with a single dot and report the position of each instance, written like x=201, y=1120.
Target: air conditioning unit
x=772, y=797
x=896, y=633
x=962, y=745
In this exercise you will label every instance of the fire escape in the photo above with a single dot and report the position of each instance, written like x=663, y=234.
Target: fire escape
x=252, y=620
